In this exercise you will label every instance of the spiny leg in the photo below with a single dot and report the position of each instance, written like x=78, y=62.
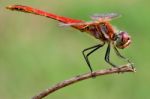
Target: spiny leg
x=86, y=56
x=107, y=59
x=121, y=56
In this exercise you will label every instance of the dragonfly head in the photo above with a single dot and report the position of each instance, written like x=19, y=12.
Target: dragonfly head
x=122, y=40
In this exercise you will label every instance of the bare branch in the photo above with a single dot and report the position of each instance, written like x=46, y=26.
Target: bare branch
x=125, y=68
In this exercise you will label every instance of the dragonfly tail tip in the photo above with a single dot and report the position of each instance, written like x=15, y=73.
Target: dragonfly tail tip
x=9, y=7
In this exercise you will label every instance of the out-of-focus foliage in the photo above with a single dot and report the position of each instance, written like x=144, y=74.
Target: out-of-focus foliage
x=36, y=53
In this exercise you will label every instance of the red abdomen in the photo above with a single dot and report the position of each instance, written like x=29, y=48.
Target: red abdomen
x=28, y=9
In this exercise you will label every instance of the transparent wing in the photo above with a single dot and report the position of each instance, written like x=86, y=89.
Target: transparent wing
x=76, y=24
x=105, y=16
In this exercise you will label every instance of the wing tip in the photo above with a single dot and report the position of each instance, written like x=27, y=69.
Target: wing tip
x=107, y=16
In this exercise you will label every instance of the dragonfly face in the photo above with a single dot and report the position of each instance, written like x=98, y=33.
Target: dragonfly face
x=122, y=40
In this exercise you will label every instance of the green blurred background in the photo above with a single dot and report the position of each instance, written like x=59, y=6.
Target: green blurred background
x=35, y=53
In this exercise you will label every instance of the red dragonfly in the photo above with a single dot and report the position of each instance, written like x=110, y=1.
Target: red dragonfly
x=100, y=28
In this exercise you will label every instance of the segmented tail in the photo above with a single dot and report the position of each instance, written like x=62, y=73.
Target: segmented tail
x=28, y=9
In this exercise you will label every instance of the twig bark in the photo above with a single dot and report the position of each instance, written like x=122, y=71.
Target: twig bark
x=125, y=68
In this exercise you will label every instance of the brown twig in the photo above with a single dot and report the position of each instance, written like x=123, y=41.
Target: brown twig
x=125, y=68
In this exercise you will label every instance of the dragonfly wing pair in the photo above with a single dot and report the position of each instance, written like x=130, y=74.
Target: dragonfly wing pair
x=97, y=18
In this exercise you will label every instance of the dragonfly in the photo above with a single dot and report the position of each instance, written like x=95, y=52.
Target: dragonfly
x=100, y=28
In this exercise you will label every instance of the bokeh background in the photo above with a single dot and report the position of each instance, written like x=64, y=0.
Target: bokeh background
x=35, y=53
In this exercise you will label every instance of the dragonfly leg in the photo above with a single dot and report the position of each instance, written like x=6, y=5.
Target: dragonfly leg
x=94, y=48
x=121, y=56
x=107, y=59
